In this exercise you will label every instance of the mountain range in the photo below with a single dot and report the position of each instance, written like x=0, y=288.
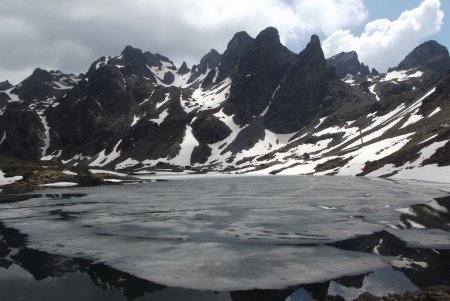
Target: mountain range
x=256, y=108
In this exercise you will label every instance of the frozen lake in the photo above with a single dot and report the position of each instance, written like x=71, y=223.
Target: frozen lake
x=242, y=233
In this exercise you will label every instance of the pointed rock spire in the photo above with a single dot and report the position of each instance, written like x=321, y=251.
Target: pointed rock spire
x=5, y=85
x=184, y=69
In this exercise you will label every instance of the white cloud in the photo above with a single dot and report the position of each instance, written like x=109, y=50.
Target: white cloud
x=69, y=35
x=385, y=43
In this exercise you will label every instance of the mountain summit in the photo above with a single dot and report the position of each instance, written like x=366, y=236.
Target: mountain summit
x=347, y=63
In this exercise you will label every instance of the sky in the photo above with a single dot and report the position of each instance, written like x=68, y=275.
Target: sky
x=69, y=35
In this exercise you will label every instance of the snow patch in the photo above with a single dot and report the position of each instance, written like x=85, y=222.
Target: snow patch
x=8, y=180
x=161, y=117
x=60, y=184
x=437, y=110
x=103, y=159
x=70, y=173
x=135, y=120
x=127, y=163
x=412, y=119
x=158, y=105
x=401, y=75
x=46, y=133
x=373, y=152
x=100, y=171
x=321, y=120
x=3, y=137
x=372, y=90
x=406, y=263
x=186, y=147
x=209, y=99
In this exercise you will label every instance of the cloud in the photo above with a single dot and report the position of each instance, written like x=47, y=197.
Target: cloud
x=385, y=43
x=69, y=35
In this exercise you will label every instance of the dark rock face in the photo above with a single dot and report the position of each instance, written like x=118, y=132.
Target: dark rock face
x=348, y=63
x=429, y=55
x=209, y=129
x=200, y=154
x=150, y=140
x=168, y=78
x=36, y=86
x=301, y=92
x=23, y=133
x=184, y=69
x=4, y=99
x=261, y=68
x=91, y=115
x=231, y=57
x=5, y=86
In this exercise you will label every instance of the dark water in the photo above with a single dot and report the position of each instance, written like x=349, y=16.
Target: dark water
x=247, y=238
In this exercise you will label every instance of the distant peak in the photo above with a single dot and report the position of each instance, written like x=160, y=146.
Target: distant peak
x=211, y=58
x=184, y=69
x=314, y=43
x=213, y=52
x=130, y=50
x=348, y=63
x=5, y=85
x=430, y=55
x=346, y=56
x=315, y=39
x=40, y=71
x=40, y=75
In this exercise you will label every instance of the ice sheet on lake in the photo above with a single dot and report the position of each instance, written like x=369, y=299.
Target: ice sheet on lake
x=226, y=233
x=434, y=238
x=379, y=283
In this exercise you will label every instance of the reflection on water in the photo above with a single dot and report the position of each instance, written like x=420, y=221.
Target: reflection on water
x=112, y=238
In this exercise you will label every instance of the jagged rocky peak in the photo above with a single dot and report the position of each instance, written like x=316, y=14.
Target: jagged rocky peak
x=260, y=67
x=157, y=60
x=348, y=63
x=268, y=40
x=208, y=61
x=313, y=49
x=129, y=53
x=140, y=61
x=240, y=40
x=232, y=55
x=302, y=90
x=136, y=57
x=268, y=36
x=207, y=64
x=40, y=75
x=36, y=86
x=6, y=85
x=184, y=69
x=429, y=55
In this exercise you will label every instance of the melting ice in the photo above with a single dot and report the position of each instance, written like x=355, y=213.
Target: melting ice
x=223, y=233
